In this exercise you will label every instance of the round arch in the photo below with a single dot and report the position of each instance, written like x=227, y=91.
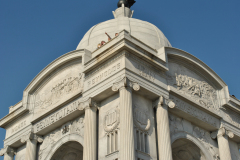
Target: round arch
x=63, y=140
x=184, y=135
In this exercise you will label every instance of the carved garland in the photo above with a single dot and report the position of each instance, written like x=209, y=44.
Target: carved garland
x=141, y=119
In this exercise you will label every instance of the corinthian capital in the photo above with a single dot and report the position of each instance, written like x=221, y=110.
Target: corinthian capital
x=125, y=82
x=7, y=150
x=31, y=136
x=161, y=101
x=222, y=132
x=87, y=104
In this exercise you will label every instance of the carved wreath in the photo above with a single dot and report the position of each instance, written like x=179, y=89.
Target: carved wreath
x=141, y=119
x=112, y=120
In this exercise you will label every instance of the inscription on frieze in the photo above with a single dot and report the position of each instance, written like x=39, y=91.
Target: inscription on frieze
x=19, y=126
x=191, y=110
x=146, y=72
x=103, y=74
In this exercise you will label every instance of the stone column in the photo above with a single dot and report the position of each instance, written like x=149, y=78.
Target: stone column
x=125, y=86
x=163, y=130
x=90, y=129
x=8, y=153
x=222, y=136
x=31, y=141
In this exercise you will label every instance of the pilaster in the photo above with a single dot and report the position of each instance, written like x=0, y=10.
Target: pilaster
x=31, y=141
x=222, y=136
x=163, y=130
x=90, y=130
x=125, y=87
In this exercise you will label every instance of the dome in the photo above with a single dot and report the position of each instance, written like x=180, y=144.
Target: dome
x=142, y=30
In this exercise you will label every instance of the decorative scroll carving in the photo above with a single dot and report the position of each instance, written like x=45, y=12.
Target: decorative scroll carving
x=187, y=108
x=7, y=150
x=201, y=91
x=125, y=82
x=87, y=104
x=31, y=136
x=55, y=93
x=112, y=120
x=222, y=132
x=141, y=119
x=161, y=101
x=76, y=126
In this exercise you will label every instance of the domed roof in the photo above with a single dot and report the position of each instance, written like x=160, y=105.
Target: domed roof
x=142, y=30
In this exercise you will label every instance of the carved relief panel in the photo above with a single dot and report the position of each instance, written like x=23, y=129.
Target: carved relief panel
x=178, y=124
x=193, y=86
x=76, y=126
x=63, y=84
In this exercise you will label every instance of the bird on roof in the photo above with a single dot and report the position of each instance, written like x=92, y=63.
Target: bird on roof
x=127, y=3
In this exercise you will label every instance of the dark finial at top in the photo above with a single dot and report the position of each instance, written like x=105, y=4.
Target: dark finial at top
x=127, y=3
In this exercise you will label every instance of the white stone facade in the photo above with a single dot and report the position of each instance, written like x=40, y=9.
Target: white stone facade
x=134, y=98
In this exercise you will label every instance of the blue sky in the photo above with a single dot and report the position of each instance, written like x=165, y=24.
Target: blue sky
x=34, y=33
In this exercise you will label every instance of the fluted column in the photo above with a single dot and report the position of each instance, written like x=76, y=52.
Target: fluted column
x=222, y=136
x=7, y=152
x=90, y=129
x=31, y=141
x=125, y=86
x=163, y=130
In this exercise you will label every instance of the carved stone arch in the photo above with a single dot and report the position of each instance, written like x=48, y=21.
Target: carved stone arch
x=63, y=140
x=185, y=135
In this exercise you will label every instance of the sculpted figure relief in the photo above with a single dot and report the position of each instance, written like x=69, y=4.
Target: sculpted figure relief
x=191, y=85
x=56, y=92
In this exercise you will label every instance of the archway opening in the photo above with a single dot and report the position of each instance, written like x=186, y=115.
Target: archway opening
x=69, y=151
x=183, y=149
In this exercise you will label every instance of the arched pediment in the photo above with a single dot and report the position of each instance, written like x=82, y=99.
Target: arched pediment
x=189, y=75
x=61, y=80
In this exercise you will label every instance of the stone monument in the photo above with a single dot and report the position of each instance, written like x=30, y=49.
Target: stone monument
x=126, y=96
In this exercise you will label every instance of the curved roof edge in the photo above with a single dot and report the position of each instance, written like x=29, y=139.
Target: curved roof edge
x=178, y=53
x=52, y=66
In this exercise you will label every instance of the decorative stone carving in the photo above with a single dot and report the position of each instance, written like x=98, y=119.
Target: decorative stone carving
x=112, y=120
x=176, y=125
x=88, y=104
x=63, y=87
x=141, y=118
x=221, y=132
x=78, y=126
x=146, y=72
x=125, y=82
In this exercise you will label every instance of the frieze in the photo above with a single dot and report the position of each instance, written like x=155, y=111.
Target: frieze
x=18, y=126
x=189, y=109
x=146, y=72
x=57, y=115
x=234, y=118
x=76, y=126
x=112, y=120
x=59, y=90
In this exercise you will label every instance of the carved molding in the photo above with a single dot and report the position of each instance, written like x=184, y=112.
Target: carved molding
x=7, y=150
x=111, y=120
x=31, y=136
x=125, y=82
x=161, y=102
x=222, y=132
x=87, y=104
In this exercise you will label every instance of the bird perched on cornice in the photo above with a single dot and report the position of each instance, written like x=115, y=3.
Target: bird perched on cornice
x=127, y=3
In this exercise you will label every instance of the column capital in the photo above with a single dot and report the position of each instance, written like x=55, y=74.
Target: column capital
x=87, y=104
x=31, y=136
x=222, y=132
x=7, y=150
x=161, y=102
x=125, y=82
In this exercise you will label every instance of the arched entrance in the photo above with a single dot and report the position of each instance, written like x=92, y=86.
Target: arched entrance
x=69, y=151
x=184, y=149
